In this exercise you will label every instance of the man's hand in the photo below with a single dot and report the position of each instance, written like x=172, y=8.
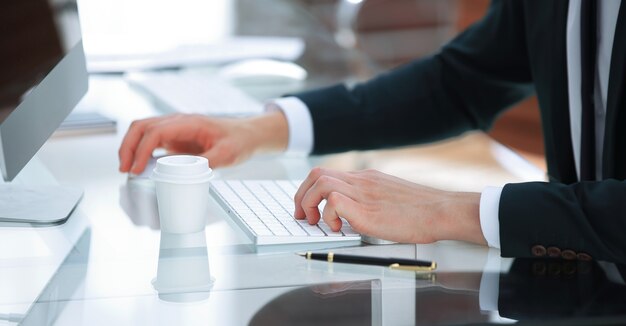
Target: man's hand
x=389, y=208
x=222, y=141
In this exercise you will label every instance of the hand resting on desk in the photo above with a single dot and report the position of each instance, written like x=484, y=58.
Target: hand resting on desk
x=222, y=141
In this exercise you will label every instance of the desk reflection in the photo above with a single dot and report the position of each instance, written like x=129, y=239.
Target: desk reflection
x=183, y=273
x=343, y=303
x=544, y=290
x=61, y=289
x=533, y=291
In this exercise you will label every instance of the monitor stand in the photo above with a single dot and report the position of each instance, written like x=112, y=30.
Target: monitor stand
x=37, y=205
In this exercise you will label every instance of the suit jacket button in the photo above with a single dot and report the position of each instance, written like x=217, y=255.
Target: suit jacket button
x=569, y=267
x=553, y=252
x=539, y=268
x=538, y=251
x=583, y=256
x=554, y=269
x=568, y=254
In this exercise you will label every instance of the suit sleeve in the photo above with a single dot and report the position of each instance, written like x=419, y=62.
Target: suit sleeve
x=584, y=217
x=463, y=87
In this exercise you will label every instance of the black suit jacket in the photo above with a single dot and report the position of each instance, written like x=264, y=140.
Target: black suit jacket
x=518, y=49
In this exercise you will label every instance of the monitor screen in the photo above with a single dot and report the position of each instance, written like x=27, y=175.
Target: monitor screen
x=42, y=75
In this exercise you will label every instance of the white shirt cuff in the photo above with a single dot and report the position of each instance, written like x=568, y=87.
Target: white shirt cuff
x=489, y=222
x=299, y=121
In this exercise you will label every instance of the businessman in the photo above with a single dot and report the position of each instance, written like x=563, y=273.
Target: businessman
x=571, y=54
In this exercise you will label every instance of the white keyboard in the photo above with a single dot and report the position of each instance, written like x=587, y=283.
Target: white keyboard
x=263, y=209
x=194, y=93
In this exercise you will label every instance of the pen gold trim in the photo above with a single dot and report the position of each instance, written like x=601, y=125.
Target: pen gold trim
x=430, y=268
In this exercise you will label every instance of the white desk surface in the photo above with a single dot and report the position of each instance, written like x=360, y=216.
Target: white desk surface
x=114, y=282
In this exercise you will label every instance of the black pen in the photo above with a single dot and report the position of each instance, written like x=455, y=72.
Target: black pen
x=393, y=263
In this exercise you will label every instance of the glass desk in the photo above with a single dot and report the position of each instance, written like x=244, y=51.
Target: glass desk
x=111, y=265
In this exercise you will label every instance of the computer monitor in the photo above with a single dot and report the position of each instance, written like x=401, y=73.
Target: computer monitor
x=42, y=78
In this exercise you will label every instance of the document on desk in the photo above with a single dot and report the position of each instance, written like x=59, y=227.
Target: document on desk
x=79, y=123
x=226, y=50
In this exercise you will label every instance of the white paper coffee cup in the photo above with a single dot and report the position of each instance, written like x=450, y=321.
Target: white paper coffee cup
x=182, y=189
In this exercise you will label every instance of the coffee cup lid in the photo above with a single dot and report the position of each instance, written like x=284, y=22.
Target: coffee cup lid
x=183, y=169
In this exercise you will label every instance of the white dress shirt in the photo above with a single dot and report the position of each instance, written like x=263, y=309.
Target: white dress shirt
x=299, y=117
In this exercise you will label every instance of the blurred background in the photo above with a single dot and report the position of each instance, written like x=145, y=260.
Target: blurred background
x=392, y=32
x=344, y=40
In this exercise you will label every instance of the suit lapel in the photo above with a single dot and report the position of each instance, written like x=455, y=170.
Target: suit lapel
x=614, y=156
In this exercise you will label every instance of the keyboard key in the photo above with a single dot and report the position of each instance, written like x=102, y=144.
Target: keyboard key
x=259, y=228
x=347, y=230
x=288, y=187
x=328, y=231
x=310, y=229
x=294, y=228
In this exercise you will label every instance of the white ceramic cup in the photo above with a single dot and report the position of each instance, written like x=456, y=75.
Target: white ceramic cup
x=182, y=190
